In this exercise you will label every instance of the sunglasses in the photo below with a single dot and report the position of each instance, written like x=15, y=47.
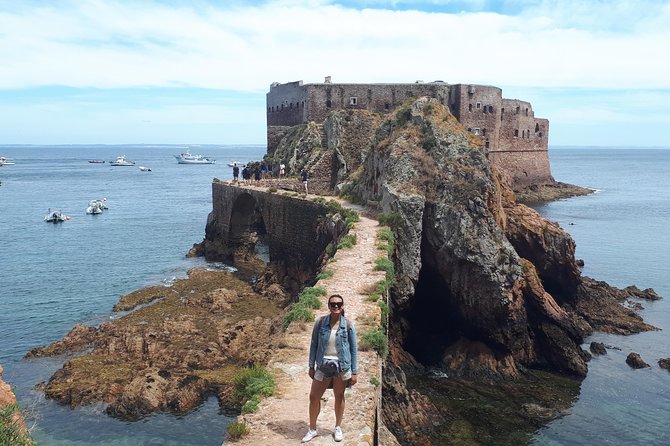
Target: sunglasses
x=335, y=304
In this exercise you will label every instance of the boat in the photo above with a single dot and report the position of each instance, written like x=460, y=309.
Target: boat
x=96, y=161
x=188, y=158
x=122, y=161
x=55, y=217
x=5, y=161
x=96, y=206
x=145, y=169
x=234, y=164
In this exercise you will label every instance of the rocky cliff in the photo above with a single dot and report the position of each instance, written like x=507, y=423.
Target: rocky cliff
x=486, y=289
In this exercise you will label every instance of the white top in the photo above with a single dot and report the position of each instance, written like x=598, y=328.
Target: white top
x=331, y=348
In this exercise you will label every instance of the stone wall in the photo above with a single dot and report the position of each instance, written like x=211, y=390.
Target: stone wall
x=524, y=168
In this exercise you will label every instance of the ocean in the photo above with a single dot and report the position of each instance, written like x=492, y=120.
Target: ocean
x=54, y=276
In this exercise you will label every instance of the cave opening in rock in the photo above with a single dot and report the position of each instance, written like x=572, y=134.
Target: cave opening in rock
x=434, y=323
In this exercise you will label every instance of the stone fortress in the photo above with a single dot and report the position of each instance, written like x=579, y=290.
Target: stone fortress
x=514, y=139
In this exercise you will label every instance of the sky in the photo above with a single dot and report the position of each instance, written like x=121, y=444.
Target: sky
x=196, y=72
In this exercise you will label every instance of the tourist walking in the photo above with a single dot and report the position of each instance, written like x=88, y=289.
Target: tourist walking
x=282, y=170
x=304, y=176
x=257, y=176
x=245, y=175
x=333, y=360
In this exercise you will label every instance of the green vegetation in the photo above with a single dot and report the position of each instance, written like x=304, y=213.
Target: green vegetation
x=348, y=241
x=384, y=264
x=302, y=310
x=272, y=190
x=375, y=340
x=385, y=313
x=374, y=297
x=327, y=274
x=237, y=430
x=404, y=114
x=330, y=249
x=374, y=381
x=11, y=432
x=250, y=384
x=390, y=219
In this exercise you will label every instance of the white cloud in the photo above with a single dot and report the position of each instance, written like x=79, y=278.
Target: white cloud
x=111, y=44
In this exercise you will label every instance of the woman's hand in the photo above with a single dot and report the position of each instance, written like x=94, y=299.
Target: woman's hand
x=311, y=373
x=353, y=380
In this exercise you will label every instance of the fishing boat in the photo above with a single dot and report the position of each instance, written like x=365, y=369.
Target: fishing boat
x=122, y=161
x=188, y=158
x=55, y=217
x=96, y=207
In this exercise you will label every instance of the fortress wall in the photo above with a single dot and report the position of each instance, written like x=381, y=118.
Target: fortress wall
x=477, y=108
x=524, y=168
x=286, y=104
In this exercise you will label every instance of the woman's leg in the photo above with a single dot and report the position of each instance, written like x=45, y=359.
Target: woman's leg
x=339, y=385
x=315, y=394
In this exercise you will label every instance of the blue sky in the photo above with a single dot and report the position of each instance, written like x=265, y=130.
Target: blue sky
x=98, y=71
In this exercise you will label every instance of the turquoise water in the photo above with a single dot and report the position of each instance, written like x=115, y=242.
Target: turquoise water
x=54, y=276
x=623, y=234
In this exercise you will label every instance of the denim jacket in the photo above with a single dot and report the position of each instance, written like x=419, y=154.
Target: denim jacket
x=345, y=342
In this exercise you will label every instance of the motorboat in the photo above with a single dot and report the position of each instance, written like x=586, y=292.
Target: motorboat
x=188, y=158
x=5, y=161
x=55, y=217
x=96, y=161
x=145, y=169
x=234, y=164
x=96, y=207
x=122, y=161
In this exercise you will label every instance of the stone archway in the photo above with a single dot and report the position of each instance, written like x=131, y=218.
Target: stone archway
x=247, y=237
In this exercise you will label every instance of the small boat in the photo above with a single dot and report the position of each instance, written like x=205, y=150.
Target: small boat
x=122, y=161
x=55, y=217
x=234, y=164
x=5, y=161
x=96, y=161
x=145, y=169
x=188, y=158
x=96, y=207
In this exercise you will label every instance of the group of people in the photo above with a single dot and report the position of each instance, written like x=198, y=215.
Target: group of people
x=264, y=170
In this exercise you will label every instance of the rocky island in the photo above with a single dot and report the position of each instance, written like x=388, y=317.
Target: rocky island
x=485, y=290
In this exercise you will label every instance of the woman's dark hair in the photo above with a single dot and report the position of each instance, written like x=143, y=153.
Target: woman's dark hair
x=341, y=298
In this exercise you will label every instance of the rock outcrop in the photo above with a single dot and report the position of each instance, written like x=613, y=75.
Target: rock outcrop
x=635, y=361
x=12, y=425
x=167, y=356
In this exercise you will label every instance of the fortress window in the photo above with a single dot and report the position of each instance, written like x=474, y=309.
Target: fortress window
x=537, y=127
x=475, y=131
x=526, y=112
x=387, y=106
x=483, y=132
x=328, y=103
x=502, y=110
x=517, y=109
x=479, y=105
x=469, y=107
x=490, y=109
x=523, y=134
x=516, y=133
x=353, y=101
x=487, y=144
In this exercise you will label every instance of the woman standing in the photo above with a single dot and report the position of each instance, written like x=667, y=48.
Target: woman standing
x=334, y=352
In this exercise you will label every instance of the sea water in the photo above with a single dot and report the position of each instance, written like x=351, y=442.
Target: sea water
x=53, y=276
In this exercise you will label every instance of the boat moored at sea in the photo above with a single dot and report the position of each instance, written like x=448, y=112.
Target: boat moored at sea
x=96, y=207
x=122, y=161
x=188, y=158
x=55, y=217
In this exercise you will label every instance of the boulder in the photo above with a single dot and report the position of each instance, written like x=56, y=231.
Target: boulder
x=634, y=360
x=598, y=348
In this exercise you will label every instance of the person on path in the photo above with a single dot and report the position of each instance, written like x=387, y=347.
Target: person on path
x=304, y=176
x=333, y=360
x=257, y=176
x=282, y=170
x=245, y=175
x=236, y=173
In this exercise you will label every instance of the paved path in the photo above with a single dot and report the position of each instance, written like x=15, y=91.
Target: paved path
x=283, y=418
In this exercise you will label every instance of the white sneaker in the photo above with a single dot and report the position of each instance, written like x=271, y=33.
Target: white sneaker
x=337, y=435
x=311, y=433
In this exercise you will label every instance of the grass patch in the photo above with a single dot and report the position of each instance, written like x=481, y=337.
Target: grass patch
x=327, y=274
x=237, y=430
x=374, y=381
x=374, y=297
x=390, y=219
x=298, y=312
x=348, y=241
x=11, y=432
x=375, y=340
x=250, y=385
x=384, y=307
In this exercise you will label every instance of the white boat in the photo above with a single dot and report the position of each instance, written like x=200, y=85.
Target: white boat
x=145, y=169
x=96, y=206
x=55, y=217
x=5, y=161
x=188, y=158
x=122, y=161
x=234, y=163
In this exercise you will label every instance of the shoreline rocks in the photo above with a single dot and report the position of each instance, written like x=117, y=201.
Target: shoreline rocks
x=635, y=361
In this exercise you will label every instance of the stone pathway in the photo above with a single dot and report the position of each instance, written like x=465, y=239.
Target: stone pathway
x=283, y=418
